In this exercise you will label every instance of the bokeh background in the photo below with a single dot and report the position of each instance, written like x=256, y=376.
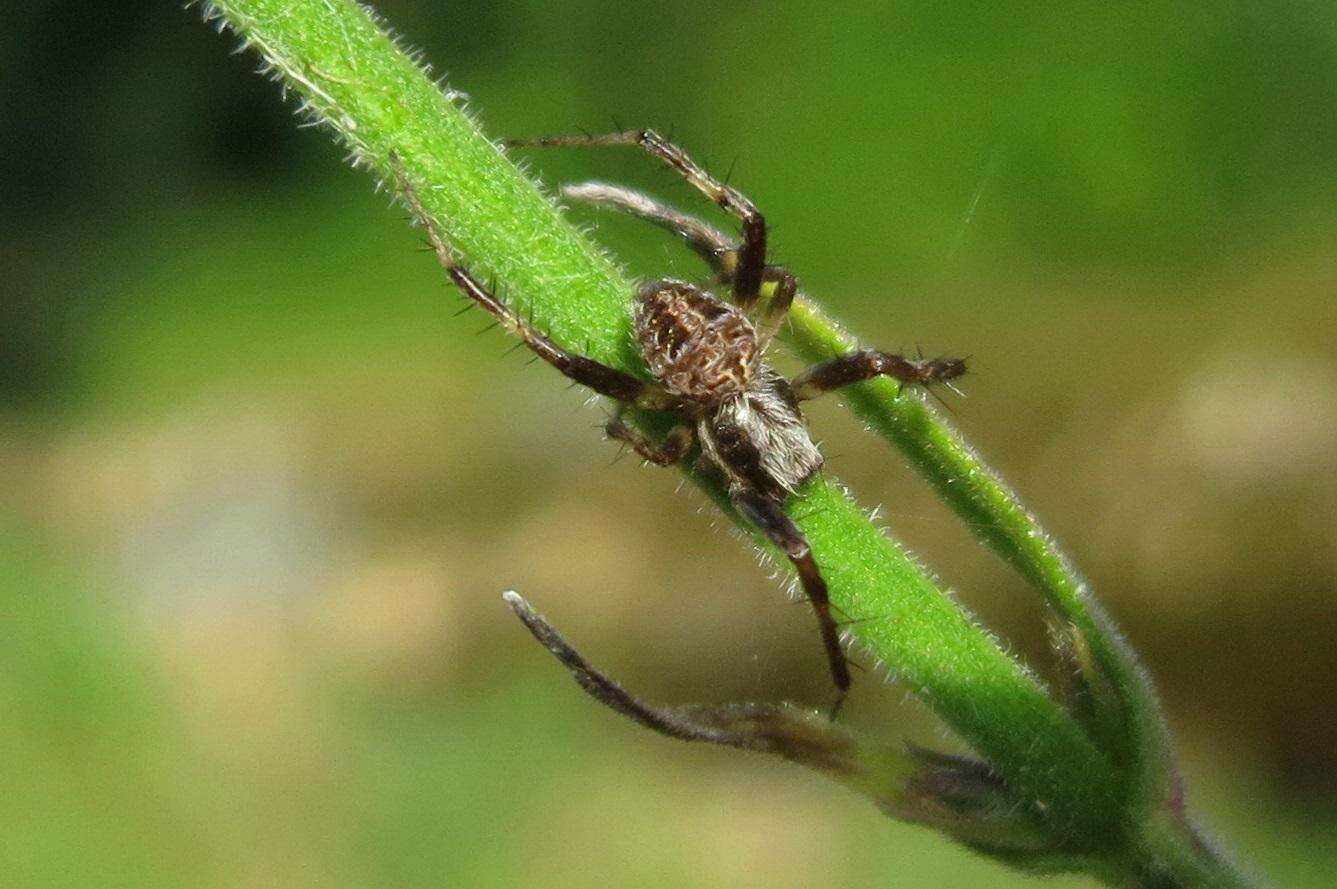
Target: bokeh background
x=259, y=490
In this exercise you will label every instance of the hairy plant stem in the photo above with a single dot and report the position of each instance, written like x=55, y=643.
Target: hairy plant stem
x=1093, y=776
x=1128, y=719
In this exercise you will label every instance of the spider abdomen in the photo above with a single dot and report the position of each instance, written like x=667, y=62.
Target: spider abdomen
x=697, y=345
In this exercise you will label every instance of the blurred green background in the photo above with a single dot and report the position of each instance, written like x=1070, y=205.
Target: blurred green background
x=259, y=490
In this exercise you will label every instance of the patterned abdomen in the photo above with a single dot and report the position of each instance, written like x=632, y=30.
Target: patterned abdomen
x=697, y=345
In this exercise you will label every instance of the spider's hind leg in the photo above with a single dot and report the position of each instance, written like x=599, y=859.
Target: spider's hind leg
x=712, y=245
x=767, y=516
x=579, y=368
x=751, y=267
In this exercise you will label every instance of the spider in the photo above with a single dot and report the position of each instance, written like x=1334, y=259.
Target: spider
x=706, y=359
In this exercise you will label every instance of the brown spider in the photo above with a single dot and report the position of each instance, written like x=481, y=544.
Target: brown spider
x=705, y=358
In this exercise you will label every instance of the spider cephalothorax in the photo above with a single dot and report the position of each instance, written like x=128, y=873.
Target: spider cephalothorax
x=758, y=439
x=705, y=359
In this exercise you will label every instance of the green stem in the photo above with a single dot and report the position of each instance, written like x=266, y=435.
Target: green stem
x=380, y=102
x=1170, y=852
x=1128, y=721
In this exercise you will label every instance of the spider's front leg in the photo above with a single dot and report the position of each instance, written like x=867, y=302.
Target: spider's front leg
x=674, y=447
x=769, y=518
x=856, y=367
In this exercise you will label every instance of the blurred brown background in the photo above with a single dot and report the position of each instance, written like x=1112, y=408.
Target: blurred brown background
x=260, y=491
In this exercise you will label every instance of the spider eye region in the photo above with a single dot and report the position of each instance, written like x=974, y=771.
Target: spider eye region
x=694, y=343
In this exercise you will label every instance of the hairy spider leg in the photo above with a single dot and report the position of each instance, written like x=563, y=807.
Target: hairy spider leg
x=717, y=249
x=747, y=277
x=713, y=246
x=723, y=257
x=782, y=297
x=866, y=364
x=584, y=370
x=769, y=518
x=671, y=450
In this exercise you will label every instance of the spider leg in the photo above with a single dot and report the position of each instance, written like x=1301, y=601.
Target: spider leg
x=865, y=364
x=747, y=277
x=770, y=519
x=581, y=369
x=708, y=242
x=782, y=297
x=670, y=451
